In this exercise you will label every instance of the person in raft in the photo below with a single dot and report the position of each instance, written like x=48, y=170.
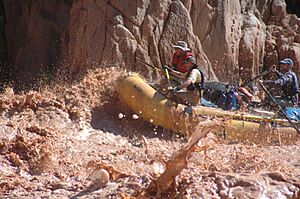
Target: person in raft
x=189, y=91
x=287, y=82
x=182, y=52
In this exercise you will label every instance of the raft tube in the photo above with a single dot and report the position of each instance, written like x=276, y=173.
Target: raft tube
x=154, y=107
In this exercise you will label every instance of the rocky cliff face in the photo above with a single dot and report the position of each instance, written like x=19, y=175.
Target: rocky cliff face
x=33, y=32
x=231, y=39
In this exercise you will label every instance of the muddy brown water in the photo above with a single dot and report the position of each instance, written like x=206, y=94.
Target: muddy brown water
x=52, y=140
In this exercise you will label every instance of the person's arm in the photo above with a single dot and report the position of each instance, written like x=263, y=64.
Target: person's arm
x=275, y=71
x=284, y=79
x=185, y=84
x=278, y=74
x=281, y=80
x=191, y=79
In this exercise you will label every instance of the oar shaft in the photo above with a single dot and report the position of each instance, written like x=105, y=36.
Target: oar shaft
x=256, y=77
x=158, y=69
x=278, y=105
x=168, y=77
x=165, y=72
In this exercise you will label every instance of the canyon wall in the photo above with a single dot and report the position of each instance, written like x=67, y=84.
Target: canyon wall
x=231, y=39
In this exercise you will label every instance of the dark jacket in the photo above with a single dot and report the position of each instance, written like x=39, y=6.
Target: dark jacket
x=290, y=86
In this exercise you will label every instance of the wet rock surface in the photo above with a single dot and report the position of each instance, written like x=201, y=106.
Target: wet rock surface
x=69, y=142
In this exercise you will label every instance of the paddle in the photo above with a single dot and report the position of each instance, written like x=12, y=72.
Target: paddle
x=168, y=77
x=278, y=105
x=166, y=71
x=264, y=73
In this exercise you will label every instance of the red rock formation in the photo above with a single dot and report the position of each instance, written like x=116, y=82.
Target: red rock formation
x=230, y=38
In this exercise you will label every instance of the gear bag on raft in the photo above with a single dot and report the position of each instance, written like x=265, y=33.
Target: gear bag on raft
x=222, y=95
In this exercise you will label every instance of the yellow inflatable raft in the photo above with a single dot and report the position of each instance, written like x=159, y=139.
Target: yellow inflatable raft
x=154, y=107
